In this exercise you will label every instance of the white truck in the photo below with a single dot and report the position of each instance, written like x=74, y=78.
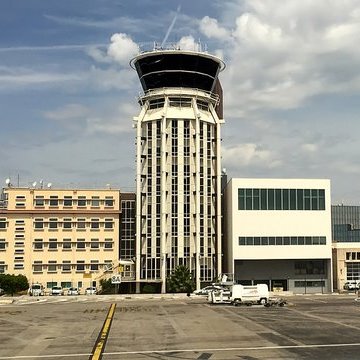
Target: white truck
x=36, y=290
x=241, y=294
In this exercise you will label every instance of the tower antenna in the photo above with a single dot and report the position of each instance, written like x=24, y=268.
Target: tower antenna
x=171, y=26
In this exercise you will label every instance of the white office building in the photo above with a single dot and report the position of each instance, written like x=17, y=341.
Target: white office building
x=278, y=231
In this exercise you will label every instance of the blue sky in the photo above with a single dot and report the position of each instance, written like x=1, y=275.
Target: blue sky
x=291, y=86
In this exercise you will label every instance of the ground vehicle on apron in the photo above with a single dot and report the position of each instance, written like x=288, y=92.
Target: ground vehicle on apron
x=241, y=294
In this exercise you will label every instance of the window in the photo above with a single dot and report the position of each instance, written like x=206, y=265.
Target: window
x=3, y=223
x=54, y=201
x=38, y=244
x=66, y=266
x=52, y=266
x=95, y=224
x=80, y=244
x=53, y=244
x=67, y=201
x=108, y=223
x=95, y=201
x=285, y=240
x=65, y=284
x=94, y=265
x=94, y=244
x=108, y=244
x=18, y=266
x=310, y=267
x=67, y=223
x=2, y=244
x=51, y=284
x=281, y=199
x=37, y=266
x=80, y=265
x=81, y=224
x=53, y=223
x=109, y=201
x=3, y=267
x=20, y=201
x=39, y=223
x=39, y=201
x=81, y=201
x=66, y=245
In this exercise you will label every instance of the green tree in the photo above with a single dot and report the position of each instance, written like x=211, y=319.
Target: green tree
x=180, y=280
x=13, y=283
x=106, y=286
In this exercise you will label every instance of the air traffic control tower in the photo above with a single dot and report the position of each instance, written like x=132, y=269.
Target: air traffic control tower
x=178, y=165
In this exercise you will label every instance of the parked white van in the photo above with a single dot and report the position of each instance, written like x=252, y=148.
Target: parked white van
x=36, y=290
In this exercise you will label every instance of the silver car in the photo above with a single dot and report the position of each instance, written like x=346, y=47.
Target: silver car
x=73, y=291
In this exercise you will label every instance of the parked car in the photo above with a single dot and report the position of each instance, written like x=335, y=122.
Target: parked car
x=351, y=285
x=206, y=290
x=56, y=290
x=2, y=292
x=90, y=291
x=73, y=291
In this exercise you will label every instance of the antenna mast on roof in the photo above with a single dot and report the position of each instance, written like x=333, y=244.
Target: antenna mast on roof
x=170, y=27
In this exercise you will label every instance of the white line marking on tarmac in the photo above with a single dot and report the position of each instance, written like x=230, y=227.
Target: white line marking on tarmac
x=316, y=300
x=42, y=356
x=257, y=348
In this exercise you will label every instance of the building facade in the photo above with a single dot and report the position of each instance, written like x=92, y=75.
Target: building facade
x=178, y=165
x=345, y=221
x=59, y=237
x=279, y=232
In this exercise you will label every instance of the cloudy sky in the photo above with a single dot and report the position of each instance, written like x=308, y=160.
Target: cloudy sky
x=291, y=87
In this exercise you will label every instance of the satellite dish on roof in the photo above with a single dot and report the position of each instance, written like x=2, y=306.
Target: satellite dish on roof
x=49, y=185
x=34, y=183
x=7, y=181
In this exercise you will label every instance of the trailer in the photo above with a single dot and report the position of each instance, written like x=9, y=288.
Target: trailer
x=241, y=295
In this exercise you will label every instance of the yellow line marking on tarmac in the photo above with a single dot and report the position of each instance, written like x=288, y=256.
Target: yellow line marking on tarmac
x=101, y=340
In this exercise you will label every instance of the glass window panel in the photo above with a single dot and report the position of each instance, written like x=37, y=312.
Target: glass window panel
x=250, y=241
x=256, y=241
x=241, y=194
x=279, y=240
x=278, y=199
x=293, y=240
x=300, y=199
x=286, y=240
x=263, y=199
x=264, y=240
x=322, y=240
x=285, y=195
x=314, y=199
x=271, y=240
x=308, y=240
x=292, y=199
x=256, y=201
x=301, y=240
x=248, y=199
x=271, y=199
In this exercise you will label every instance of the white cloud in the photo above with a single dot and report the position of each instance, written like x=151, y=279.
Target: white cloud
x=188, y=43
x=122, y=48
x=211, y=28
x=309, y=148
x=279, y=56
x=20, y=77
x=245, y=154
x=67, y=112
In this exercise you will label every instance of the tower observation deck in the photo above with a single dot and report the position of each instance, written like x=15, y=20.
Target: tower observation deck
x=178, y=170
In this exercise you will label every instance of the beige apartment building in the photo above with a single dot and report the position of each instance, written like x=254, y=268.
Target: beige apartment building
x=59, y=237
